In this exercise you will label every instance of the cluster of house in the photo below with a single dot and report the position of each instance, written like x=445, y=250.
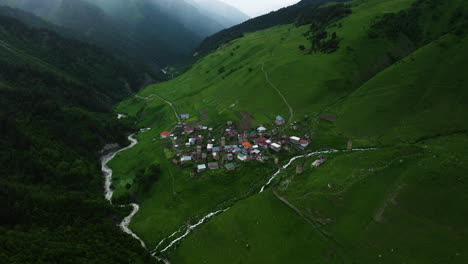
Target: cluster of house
x=196, y=145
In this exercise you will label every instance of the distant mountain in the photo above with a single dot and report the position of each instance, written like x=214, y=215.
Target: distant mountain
x=161, y=32
x=94, y=77
x=223, y=13
x=282, y=16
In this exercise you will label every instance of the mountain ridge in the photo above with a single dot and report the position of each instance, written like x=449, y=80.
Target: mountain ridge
x=157, y=32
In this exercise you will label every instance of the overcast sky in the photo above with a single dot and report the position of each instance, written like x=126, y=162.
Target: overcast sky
x=255, y=8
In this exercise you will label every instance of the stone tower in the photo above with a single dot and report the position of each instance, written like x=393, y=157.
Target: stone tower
x=199, y=151
x=223, y=141
x=350, y=144
x=299, y=168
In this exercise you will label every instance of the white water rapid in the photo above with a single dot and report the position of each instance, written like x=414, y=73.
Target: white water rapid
x=189, y=228
x=108, y=192
x=124, y=225
x=305, y=156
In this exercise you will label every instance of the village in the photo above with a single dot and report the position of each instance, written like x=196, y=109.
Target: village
x=201, y=148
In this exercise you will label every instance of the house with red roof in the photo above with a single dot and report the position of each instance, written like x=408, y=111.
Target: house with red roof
x=259, y=140
x=304, y=143
x=164, y=134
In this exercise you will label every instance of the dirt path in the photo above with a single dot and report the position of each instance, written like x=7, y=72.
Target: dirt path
x=294, y=208
x=4, y=45
x=173, y=182
x=166, y=101
x=267, y=78
x=308, y=220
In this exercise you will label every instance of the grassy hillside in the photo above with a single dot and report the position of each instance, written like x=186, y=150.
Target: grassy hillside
x=259, y=229
x=412, y=99
x=395, y=82
x=395, y=205
x=284, y=16
x=311, y=83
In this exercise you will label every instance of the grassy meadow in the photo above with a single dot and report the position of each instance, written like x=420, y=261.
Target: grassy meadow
x=403, y=202
x=394, y=205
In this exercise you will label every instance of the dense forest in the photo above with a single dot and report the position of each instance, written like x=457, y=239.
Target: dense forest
x=158, y=33
x=408, y=24
x=55, y=100
x=125, y=36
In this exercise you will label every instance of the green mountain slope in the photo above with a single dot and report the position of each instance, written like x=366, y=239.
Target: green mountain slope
x=298, y=12
x=56, y=96
x=389, y=75
x=411, y=100
x=51, y=52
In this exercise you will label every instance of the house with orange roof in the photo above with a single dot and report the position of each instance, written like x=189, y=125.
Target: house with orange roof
x=246, y=144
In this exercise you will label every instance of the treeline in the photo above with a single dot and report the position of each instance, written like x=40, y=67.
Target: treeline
x=93, y=66
x=319, y=19
x=55, y=101
x=137, y=31
x=300, y=12
x=144, y=179
x=41, y=224
x=422, y=23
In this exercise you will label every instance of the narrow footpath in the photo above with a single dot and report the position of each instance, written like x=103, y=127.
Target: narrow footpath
x=166, y=101
x=267, y=78
x=170, y=241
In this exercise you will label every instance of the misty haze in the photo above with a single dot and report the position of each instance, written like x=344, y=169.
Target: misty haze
x=233, y=131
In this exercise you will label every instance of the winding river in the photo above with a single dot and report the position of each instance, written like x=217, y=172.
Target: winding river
x=173, y=238
x=108, y=192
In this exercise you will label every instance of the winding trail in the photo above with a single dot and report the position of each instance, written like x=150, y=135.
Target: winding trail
x=166, y=101
x=185, y=230
x=267, y=78
x=189, y=228
x=294, y=208
x=7, y=47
